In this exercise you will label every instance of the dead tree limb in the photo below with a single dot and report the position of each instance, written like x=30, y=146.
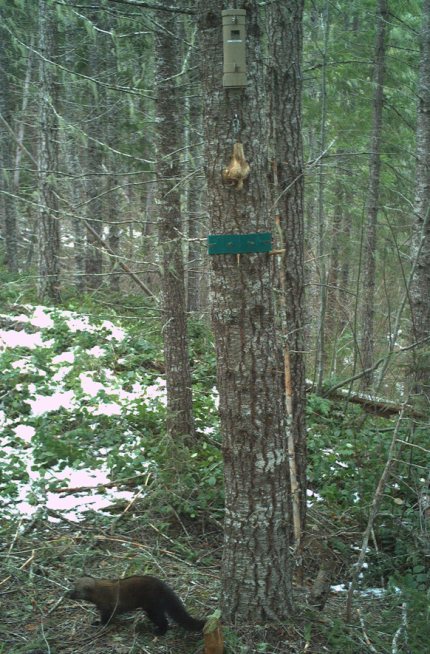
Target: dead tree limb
x=377, y=499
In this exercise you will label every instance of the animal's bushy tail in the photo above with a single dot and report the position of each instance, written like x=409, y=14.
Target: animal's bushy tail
x=179, y=613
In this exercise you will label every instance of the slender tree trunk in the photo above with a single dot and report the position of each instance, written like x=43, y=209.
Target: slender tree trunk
x=6, y=181
x=420, y=289
x=333, y=275
x=256, y=576
x=180, y=420
x=311, y=271
x=346, y=236
x=49, y=219
x=74, y=166
x=94, y=263
x=285, y=49
x=194, y=206
x=112, y=128
x=321, y=229
x=369, y=266
x=20, y=132
x=194, y=249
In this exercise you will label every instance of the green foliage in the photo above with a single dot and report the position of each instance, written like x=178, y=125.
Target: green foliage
x=382, y=625
x=347, y=455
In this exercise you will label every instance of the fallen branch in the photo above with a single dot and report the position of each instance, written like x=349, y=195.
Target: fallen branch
x=130, y=504
x=21, y=567
x=365, y=636
x=402, y=628
x=109, y=484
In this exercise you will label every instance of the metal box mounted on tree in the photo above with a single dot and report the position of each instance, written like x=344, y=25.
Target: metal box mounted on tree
x=233, y=27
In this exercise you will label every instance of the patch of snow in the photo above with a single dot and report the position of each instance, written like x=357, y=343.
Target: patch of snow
x=97, y=352
x=64, y=357
x=72, y=505
x=157, y=391
x=44, y=403
x=339, y=588
x=117, y=333
x=91, y=387
x=21, y=339
x=25, y=432
x=61, y=373
x=111, y=409
x=311, y=493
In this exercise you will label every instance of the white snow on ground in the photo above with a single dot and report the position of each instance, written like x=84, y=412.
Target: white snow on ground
x=367, y=592
x=44, y=403
x=157, y=391
x=72, y=505
x=92, y=497
x=21, y=339
x=35, y=490
x=61, y=373
x=25, y=432
x=64, y=357
x=96, y=351
x=313, y=496
x=26, y=366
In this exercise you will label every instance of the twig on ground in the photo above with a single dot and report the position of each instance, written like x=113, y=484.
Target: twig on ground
x=21, y=567
x=118, y=518
x=57, y=604
x=14, y=539
x=366, y=637
x=402, y=628
x=44, y=637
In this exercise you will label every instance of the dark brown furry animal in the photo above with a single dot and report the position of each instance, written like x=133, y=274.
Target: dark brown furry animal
x=156, y=598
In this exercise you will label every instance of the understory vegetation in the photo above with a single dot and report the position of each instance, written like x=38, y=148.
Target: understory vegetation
x=82, y=394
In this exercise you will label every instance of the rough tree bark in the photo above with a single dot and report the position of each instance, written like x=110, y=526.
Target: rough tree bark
x=49, y=219
x=180, y=418
x=256, y=576
x=285, y=50
x=369, y=264
x=6, y=183
x=420, y=288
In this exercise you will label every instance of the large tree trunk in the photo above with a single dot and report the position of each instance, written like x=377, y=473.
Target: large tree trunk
x=6, y=182
x=180, y=418
x=49, y=219
x=285, y=46
x=420, y=289
x=373, y=198
x=256, y=576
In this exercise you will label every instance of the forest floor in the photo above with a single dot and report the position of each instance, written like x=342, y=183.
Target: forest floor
x=38, y=567
x=89, y=484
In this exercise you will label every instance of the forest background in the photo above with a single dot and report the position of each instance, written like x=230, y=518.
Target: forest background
x=94, y=212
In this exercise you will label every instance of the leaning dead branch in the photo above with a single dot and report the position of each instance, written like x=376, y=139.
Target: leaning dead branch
x=377, y=499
